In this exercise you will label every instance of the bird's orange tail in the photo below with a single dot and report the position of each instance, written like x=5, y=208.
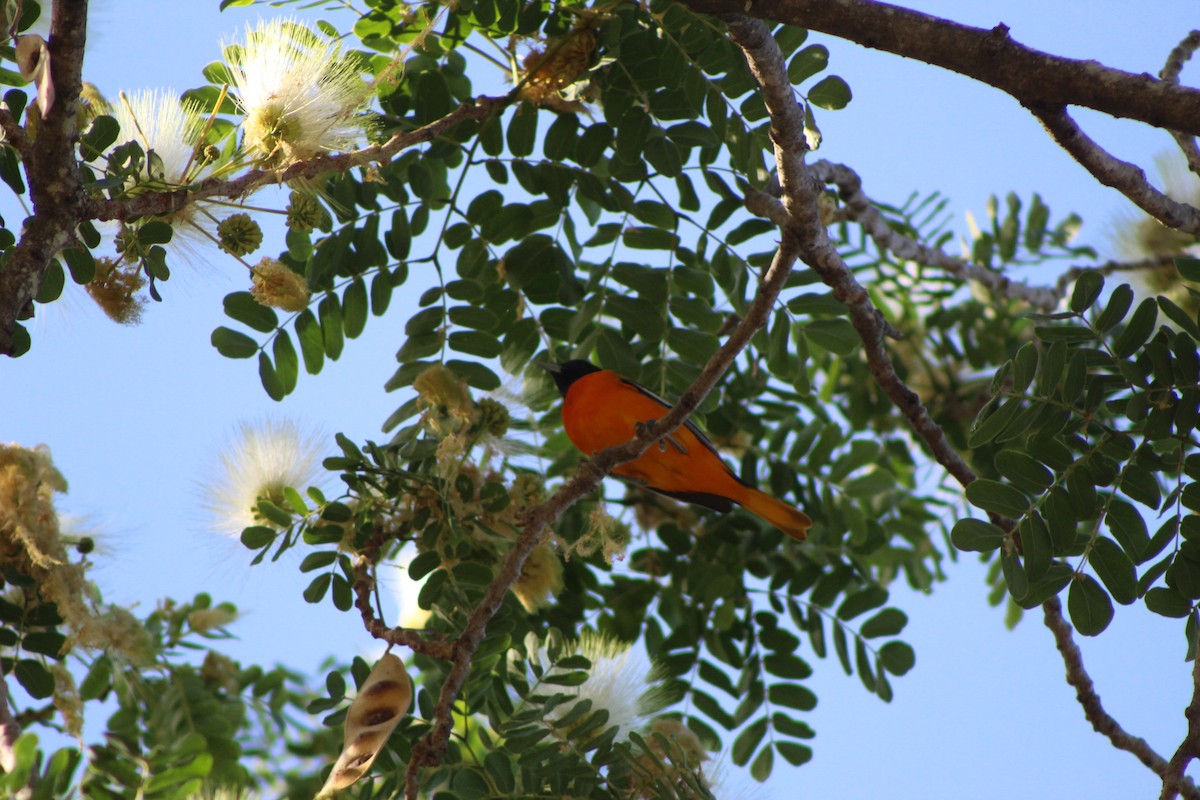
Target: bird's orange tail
x=788, y=519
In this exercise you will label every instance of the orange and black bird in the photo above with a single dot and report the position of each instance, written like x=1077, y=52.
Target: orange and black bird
x=603, y=409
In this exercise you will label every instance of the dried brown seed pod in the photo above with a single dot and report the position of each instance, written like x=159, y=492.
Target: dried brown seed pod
x=383, y=699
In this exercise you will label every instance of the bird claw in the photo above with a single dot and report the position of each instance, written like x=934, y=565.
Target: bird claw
x=641, y=427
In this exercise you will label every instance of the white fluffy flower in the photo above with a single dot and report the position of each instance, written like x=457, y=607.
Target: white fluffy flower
x=267, y=457
x=300, y=94
x=620, y=682
x=160, y=123
x=169, y=132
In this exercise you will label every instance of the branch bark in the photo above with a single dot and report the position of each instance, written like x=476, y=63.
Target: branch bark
x=1129, y=179
x=1034, y=78
x=1174, y=781
x=801, y=189
x=53, y=172
x=1089, y=699
x=1170, y=73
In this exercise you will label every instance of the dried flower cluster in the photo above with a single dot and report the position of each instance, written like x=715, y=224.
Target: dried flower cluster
x=276, y=285
x=552, y=70
x=116, y=288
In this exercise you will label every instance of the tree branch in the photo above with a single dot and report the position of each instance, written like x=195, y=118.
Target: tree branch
x=1033, y=78
x=1174, y=781
x=801, y=190
x=1170, y=73
x=53, y=175
x=14, y=134
x=166, y=202
x=859, y=208
x=1085, y=691
x=1126, y=178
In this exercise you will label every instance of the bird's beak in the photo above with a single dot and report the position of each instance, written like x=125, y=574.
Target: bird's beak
x=549, y=366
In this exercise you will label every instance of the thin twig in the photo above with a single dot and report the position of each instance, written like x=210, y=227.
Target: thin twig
x=1128, y=179
x=859, y=208
x=1179, y=56
x=165, y=202
x=14, y=134
x=1189, y=748
x=364, y=586
x=1085, y=691
x=1068, y=278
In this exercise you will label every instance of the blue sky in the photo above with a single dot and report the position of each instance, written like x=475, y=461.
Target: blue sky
x=134, y=417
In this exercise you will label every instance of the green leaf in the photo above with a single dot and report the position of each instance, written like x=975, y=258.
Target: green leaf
x=330, y=313
x=888, y=622
x=996, y=497
x=287, y=362
x=976, y=535
x=1140, y=326
x=1090, y=608
x=808, y=62
x=475, y=343
x=312, y=344
x=1087, y=290
x=1118, y=306
x=792, y=695
x=794, y=754
x=233, y=344
x=897, y=657
x=836, y=335
x=271, y=381
x=992, y=420
x=1025, y=472
x=1167, y=602
x=355, y=308
x=257, y=537
x=760, y=770
x=1115, y=569
x=871, y=597
x=748, y=741
x=100, y=135
x=1036, y=545
x=830, y=93
x=1014, y=576
x=1129, y=529
x=696, y=346
x=1189, y=268
x=36, y=680
x=315, y=592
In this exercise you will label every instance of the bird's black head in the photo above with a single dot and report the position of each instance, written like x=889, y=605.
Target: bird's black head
x=567, y=373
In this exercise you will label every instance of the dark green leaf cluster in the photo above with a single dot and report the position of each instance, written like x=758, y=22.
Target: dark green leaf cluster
x=1091, y=429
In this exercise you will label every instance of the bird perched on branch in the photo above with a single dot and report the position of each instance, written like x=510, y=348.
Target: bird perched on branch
x=603, y=409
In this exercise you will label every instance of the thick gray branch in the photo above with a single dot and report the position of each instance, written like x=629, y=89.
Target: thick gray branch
x=1034, y=78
